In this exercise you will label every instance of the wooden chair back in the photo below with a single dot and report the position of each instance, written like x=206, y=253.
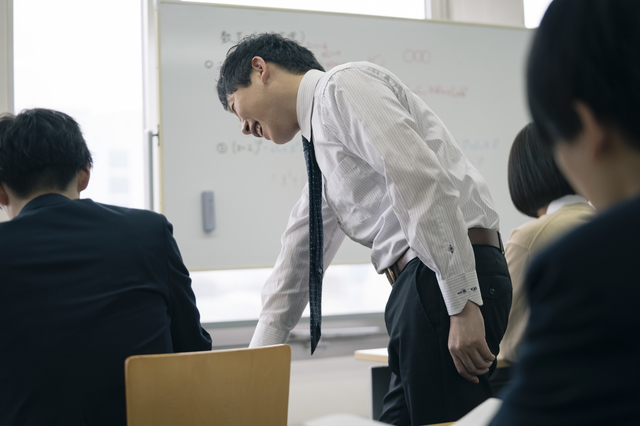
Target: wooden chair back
x=220, y=388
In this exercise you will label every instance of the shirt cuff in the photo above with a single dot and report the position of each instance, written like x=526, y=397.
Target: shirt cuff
x=266, y=336
x=458, y=290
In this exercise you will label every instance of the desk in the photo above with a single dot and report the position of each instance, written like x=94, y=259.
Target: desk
x=376, y=355
x=380, y=376
x=380, y=355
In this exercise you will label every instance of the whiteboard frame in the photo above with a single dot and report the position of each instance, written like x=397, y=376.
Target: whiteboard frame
x=362, y=15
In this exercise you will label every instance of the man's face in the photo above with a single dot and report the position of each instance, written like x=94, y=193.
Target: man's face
x=260, y=107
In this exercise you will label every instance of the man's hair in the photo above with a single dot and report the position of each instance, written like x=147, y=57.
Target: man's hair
x=236, y=69
x=534, y=178
x=40, y=149
x=587, y=51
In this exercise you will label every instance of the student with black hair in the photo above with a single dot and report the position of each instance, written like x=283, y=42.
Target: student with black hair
x=539, y=190
x=83, y=285
x=385, y=171
x=578, y=358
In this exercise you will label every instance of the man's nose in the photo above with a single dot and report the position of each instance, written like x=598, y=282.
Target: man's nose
x=246, y=127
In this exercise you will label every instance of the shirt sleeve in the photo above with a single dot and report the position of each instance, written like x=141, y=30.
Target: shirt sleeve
x=187, y=334
x=286, y=292
x=365, y=114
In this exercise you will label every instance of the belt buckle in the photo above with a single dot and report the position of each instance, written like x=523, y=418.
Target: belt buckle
x=391, y=276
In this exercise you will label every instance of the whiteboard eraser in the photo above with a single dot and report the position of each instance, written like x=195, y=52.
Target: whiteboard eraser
x=208, y=212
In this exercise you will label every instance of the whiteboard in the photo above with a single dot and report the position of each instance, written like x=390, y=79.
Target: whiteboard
x=472, y=76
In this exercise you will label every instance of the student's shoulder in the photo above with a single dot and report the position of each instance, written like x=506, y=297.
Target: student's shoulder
x=540, y=232
x=117, y=210
x=133, y=216
x=524, y=234
x=589, y=274
x=577, y=213
x=354, y=74
x=607, y=239
x=534, y=234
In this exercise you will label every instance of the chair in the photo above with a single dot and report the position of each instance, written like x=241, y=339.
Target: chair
x=231, y=387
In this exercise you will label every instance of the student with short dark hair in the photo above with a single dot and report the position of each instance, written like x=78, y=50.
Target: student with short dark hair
x=83, y=285
x=539, y=190
x=43, y=151
x=385, y=171
x=578, y=357
x=532, y=173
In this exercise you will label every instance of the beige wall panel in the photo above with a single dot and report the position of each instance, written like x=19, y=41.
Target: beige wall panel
x=6, y=56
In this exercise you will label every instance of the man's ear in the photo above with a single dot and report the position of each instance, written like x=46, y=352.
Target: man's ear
x=4, y=197
x=597, y=137
x=83, y=178
x=258, y=64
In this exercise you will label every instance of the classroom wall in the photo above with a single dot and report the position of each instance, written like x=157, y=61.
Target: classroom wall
x=6, y=55
x=499, y=12
x=6, y=64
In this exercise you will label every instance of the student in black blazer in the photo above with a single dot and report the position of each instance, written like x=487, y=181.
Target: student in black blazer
x=82, y=285
x=580, y=353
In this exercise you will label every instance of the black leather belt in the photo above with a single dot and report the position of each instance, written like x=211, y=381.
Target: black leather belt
x=477, y=236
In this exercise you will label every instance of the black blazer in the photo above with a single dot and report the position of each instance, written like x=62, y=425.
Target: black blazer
x=581, y=350
x=82, y=287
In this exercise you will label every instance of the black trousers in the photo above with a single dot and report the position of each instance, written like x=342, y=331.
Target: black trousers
x=425, y=386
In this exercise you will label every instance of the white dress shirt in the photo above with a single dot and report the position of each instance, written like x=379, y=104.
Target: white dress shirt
x=393, y=178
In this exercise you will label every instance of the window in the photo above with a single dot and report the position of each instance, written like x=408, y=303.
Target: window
x=534, y=11
x=235, y=295
x=84, y=58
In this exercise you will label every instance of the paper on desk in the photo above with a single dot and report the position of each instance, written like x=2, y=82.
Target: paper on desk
x=482, y=414
x=479, y=416
x=341, y=420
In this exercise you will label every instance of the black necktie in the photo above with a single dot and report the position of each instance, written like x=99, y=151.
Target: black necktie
x=315, y=241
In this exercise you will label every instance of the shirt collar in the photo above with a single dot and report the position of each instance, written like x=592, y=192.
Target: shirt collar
x=304, y=101
x=45, y=200
x=555, y=205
